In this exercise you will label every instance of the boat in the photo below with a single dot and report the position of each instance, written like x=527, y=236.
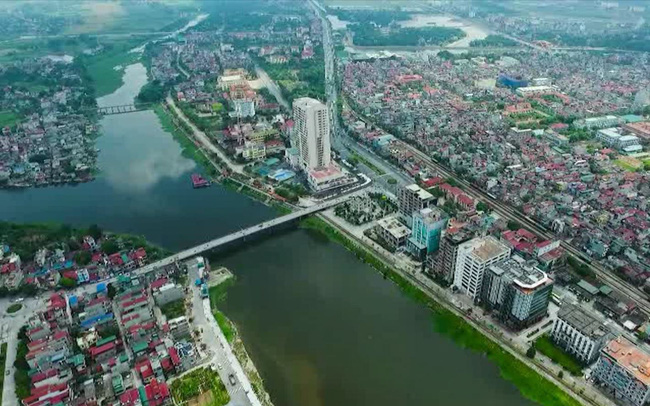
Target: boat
x=199, y=181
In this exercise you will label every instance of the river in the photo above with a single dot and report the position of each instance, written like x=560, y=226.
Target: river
x=323, y=328
x=144, y=185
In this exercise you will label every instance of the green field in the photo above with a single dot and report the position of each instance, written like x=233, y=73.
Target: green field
x=624, y=165
x=8, y=118
x=545, y=345
x=107, y=68
x=173, y=309
x=217, y=295
x=202, y=386
x=531, y=384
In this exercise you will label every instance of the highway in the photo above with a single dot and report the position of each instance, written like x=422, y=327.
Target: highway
x=499, y=207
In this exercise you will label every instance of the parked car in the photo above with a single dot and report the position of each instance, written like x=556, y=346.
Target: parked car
x=231, y=378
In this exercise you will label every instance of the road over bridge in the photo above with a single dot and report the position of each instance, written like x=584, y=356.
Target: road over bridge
x=228, y=239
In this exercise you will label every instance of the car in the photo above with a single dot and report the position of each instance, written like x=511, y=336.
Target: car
x=219, y=366
x=20, y=299
x=231, y=378
x=8, y=372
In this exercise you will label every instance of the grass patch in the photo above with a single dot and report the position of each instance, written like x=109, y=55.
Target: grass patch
x=13, y=309
x=532, y=385
x=625, y=165
x=102, y=67
x=202, y=383
x=173, y=309
x=8, y=118
x=546, y=346
x=3, y=362
x=217, y=295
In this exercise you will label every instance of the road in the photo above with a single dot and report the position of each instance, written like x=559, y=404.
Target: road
x=241, y=394
x=10, y=325
x=203, y=139
x=272, y=86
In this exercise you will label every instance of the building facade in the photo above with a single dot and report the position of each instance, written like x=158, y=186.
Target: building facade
x=474, y=257
x=426, y=231
x=412, y=198
x=579, y=333
x=312, y=131
x=392, y=232
x=444, y=263
x=623, y=369
x=517, y=290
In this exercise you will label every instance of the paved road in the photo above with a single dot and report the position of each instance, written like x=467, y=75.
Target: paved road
x=272, y=86
x=10, y=325
x=219, y=348
x=203, y=139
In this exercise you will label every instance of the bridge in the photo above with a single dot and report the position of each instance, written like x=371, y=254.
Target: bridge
x=122, y=109
x=229, y=239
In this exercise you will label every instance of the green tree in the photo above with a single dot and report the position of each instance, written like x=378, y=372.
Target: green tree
x=482, y=206
x=531, y=352
x=95, y=231
x=110, y=247
x=82, y=258
x=111, y=291
x=67, y=283
x=513, y=225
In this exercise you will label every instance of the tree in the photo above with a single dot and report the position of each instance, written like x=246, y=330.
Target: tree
x=530, y=353
x=482, y=206
x=82, y=257
x=643, y=336
x=111, y=291
x=95, y=232
x=513, y=225
x=110, y=247
x=560, y=374
x=67, y=283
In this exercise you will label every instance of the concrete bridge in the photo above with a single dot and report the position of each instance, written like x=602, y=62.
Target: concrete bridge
x=229, y=239
x=122, y=109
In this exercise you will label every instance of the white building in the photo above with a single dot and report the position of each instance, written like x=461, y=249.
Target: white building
x=243, y=108
x=534, y=90
x=327, y=178
x=225, y=82
x=579, y=333
x=474, y=257
x=624, y=370
x=393, y=232
x=598, y=122
x=312, y=130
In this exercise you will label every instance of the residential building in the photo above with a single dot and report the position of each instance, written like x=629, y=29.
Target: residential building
x=167, y=293
x=444, y=263
x=392, y=232
x=412, y=198
x=597, y=122
x=579, y=333
x=312, y=130
x=243, y=108
x=517, y=290
x=474, y=257
x=179, y=327
x=624, y=370
x=426, y=231
x=529, y=91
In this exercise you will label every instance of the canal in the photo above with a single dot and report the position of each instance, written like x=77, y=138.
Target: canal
x=323, y=328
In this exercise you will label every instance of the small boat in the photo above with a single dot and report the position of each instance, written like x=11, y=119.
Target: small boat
x=199, y=181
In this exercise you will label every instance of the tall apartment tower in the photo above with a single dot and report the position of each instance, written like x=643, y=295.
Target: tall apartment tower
x=312, y=131
x=474, y=257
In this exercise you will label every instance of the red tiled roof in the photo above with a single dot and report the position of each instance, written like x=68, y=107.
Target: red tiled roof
x=94, y=351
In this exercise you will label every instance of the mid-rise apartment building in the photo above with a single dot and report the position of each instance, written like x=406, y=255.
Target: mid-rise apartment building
x=518, y=291
x=444, y=263
x=474, y=258
x=426, y=230
x=579, y=333
x=312, y=131
x=411, y=199
x=623, y=369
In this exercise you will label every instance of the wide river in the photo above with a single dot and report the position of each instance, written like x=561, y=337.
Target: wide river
x=323, y=328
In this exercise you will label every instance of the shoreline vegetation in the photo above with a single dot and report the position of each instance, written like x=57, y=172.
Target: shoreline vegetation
x=217, y=295
x=530, y=383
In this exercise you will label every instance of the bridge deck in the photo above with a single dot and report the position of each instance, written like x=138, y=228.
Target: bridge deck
x=217, y=242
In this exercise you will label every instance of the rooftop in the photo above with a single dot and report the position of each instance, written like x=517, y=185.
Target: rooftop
x=523, y=274
x=487, y=248
x=394, y=227
x=630, y=357
x=582, y=321
x=422, y=194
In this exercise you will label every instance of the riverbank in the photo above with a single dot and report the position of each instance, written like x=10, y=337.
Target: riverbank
x=452, y=324
x=218, y=294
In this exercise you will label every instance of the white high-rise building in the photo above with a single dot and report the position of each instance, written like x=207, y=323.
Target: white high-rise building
x=312, y=131
x=474, y=257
